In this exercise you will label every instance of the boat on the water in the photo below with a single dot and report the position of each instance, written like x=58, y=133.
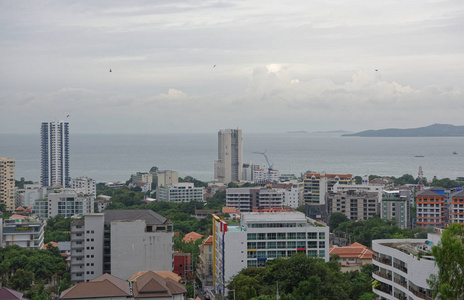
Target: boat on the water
x=418, y=156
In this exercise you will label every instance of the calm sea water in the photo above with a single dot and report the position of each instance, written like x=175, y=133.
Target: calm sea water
x=116, y=157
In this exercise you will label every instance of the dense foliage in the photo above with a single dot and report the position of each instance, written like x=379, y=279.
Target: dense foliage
x=58, y=229
x=449, y=257
x=300, y=277
x=447, y=183
x=364, y=231
x=29, y=271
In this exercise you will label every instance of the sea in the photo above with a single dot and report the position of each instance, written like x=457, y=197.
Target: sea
x=114, y=157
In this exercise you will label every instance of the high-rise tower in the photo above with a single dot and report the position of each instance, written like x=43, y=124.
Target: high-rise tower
x=7, y=183
x=228, y=167
x=55, y=154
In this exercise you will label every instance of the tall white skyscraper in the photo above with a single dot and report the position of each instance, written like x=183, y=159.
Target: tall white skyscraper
x=228, y=167
x=55, y=154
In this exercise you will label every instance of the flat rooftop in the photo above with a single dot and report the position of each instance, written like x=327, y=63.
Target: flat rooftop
x=250, y=217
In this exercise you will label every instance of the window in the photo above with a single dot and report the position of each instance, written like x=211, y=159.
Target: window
x=251, y=263
x=281, y=236
x=271, y=254
x=251, y=245
x=271, y=245
x=292, y=235
x=312, y=244
x=261, y=245
x=322, y=235
x=261, y=236
x=281, y=245
x=251, y=236
x=291, y=244
x=312, y=235
x=322, y=244
x=271, y=236
x=301, y=235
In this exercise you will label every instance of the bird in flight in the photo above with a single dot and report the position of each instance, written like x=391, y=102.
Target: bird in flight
x=110, y=70
x=214, y=66
x=376, y=70
x=67, y=116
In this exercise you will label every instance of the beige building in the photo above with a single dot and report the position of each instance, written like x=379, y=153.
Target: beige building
x=167, y=178
x=354, y=204
x=7, y=183
x=228, y=167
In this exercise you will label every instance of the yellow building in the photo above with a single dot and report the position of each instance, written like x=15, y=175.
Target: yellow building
x=7, y=183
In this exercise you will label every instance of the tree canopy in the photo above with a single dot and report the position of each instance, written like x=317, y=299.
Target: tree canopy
x=449, y=257
x=300, y=277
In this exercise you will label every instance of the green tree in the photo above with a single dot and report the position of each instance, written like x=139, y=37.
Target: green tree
x=336, y=219
x=449, y=257
x=22, y=280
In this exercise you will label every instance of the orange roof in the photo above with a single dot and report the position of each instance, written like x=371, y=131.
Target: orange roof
x=355, y=250
x=191, y=237
x=229, y=210
x=50, y=243
x=164, y=274
x=19, y=208
x=209, y=240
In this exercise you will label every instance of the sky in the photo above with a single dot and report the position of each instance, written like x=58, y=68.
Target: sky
x=199, y=66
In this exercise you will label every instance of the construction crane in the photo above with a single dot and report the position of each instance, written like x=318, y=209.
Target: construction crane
x=270, y=164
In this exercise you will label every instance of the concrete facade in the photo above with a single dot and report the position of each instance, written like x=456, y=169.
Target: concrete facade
x=84, y=185
x=7, y=183
x=228, y=167
x=68, y=203
x=26, y=232
x=317, y=185
x=402, y=273
x=180, y=192
x=244, y=199
x=354, y=205
x=167, y=178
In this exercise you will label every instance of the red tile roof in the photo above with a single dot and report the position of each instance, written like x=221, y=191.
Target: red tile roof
x=192, y=237
x=355, y=250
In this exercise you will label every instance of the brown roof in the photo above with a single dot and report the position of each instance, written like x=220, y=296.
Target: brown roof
x=164, y=274
x=9, y=294
x=229, y=210
x=355, y=250
x=53, y=244
x=105, y=285
x=152, y=285
x=209, y=240
x=428, y=193
x=192, y=237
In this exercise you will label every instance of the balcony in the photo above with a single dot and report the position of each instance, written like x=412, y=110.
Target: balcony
x=419, y=294
x=403, y=283
x=382, y=260
x=400, y=267
x=383, y=275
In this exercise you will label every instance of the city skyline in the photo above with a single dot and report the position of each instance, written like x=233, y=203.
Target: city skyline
x=314, y=66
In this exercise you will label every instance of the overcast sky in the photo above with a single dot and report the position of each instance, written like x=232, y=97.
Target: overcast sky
x=279, y=65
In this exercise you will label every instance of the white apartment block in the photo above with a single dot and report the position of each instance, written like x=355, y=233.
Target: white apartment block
x=66, y=203
x=180, y=192
x=364, y=187
x=293, y=193
x=402, y=272
x=228, y=167
x=7, y=183
x=265, y=176
x=121, y=243
x=84, y=185
x=29, y=194
x=115, y=185
x=55, y=154
x=261, y=237
x=244, y=199
x=26, y=232
x=354, y=205
x=247, y=170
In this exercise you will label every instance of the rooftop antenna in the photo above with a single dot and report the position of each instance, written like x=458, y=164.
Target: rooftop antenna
x=420, y=184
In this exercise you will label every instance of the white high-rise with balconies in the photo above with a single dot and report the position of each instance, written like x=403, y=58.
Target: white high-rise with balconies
x=228, y=167
x=55, y=154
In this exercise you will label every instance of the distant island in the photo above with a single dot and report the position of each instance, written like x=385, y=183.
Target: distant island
x=435, y=130
x=332, y=132
x=297, y=132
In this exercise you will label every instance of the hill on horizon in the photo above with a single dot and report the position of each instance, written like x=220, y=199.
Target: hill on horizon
x=435, y=130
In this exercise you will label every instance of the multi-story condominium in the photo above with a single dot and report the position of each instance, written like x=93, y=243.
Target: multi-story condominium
x=180, y=192
x=144, y=186
x=247, y=170
x=120, y=242
x=205, y=263
x=265, y=175
x=7, y=183
x=142, y=177
x=66, y=203
x=396, y=205
x=316, y=186
x=29, y=194
x=228, y=167
x=26, y=232
x=84, y=185
x=430, y=207
x=404, y=267
x=167, y=178
x=457, y=207
x=286, y=177
x=55, y=154
x=354, y=205
x=115, y=185
x=261, y=237
x=365, y=186
x=293, y=193
x=244, y=199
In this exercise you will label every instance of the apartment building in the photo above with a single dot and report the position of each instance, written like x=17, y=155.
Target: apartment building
x=293, y=193
x=228, y=167
x=84, y=185
x=55, y=154
x=7, y=183
x=26, y=232
x=317, y=185
x=457, y=207
x=396, y=205
x=355, y=205
x=205, y=263
x=404, y=267
x=120, y=242
x=180, y=192
x=430, y=207
x=66, y=203
x=261, y=237
x=364, y=187
x=244, y=199
x=265, y=175
x=142, y=177
x=167, y=178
